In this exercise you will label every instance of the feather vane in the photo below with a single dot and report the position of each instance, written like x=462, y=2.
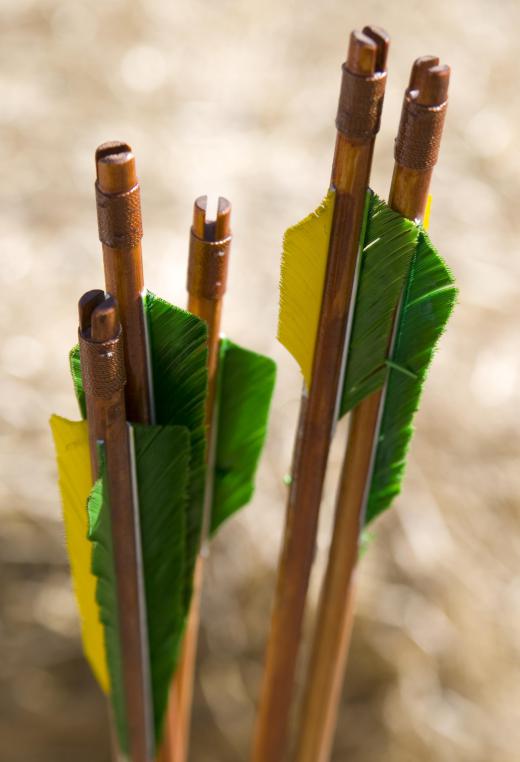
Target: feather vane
x=428, y=301
x=245, y=389
x=73, y=459
x=304, y=262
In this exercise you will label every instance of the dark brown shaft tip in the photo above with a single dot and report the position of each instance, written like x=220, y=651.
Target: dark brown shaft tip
x=115, y=167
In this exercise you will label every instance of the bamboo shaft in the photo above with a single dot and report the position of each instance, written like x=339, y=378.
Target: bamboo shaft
x=408, y=195
x=177, y=731
x=100, y=348
x=120, y=234
x=116, y=177
x=350, y=175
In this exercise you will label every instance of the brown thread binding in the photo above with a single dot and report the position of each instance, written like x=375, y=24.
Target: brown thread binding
x=102, y=366
x=207, y=267
x=360, y=104
x=119, y=218
x=411, y=148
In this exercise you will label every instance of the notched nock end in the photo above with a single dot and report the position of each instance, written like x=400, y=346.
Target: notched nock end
x=118, y=199
x=419, y=67
x=115, y=167
x=382, y=41
x=361, y=55
x=105, y=325
x=211, y=231
x=86, y=306
x=100, y=345
x=368, y=51
x=422, y=118
x=363, y=84
x=210, y=242
x=98, y=317
x=433, y=89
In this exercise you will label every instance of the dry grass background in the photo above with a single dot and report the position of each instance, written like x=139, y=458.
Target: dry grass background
x=238, y=98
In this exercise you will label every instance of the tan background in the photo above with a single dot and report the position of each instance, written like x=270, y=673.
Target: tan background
x=238, y=98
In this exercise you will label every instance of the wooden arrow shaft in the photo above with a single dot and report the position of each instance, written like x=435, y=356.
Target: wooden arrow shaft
x=207, y=276
x=120, y=232
x=350, y=176
x=103, y=373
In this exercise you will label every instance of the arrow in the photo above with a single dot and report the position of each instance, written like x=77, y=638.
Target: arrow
x=154, y=473
x=358, y=118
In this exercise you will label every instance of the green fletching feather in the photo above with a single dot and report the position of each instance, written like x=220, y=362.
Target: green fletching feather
x=170, y=463
x=100, y=533
x=178, y=344
x=404, y=297
x=162, y=455
x=75, y=371
x=389, y=245
x=246, y=386
x=427, y=302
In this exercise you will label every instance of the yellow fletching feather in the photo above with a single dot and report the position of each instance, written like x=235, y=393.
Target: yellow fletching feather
x=72, y=453
x=304, y=261
x=427, y=212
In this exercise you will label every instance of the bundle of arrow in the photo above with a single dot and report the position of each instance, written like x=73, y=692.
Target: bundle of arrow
x=364, y=297
x=174, y=419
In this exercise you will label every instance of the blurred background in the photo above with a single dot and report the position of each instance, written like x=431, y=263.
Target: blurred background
x=238, y=98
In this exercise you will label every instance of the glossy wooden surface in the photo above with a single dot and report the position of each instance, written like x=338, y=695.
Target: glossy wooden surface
x=350, y=176
x=177, y=730
x=317, y=722
x=99, y=323
x=116, y=174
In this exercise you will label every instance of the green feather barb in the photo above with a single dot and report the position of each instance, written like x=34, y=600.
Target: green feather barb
x=389, y=245
x=427, y=302
x=162, y=460
x=178, y=345
x=245, y=389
